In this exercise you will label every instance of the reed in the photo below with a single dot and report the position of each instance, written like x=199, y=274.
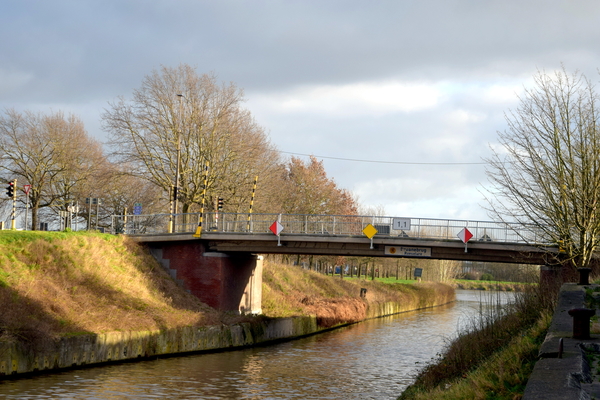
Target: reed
x=516, y=328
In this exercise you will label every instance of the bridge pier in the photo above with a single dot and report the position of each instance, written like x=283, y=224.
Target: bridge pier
x=224, y=281
x=554, y=275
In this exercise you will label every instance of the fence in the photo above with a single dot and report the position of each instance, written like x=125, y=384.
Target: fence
x=324, y=225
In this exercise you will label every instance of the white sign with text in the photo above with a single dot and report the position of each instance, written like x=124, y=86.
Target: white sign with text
x=407, y=251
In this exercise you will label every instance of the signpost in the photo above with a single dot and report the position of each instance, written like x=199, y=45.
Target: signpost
x=26, y=188
x=401, y=224
x=418, y=273
x=369, y=232
x=276, y=228
x=407, y=251
x=465, y=235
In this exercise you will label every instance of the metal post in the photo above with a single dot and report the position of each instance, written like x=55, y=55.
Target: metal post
x=177, y=167
x=248, y=228
x=26, y=207
x=198, y=232
x=13, y=223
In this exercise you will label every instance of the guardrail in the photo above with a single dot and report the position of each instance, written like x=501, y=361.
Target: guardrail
x=325, y=225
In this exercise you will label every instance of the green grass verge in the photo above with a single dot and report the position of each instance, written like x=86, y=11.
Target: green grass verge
x=501, y=376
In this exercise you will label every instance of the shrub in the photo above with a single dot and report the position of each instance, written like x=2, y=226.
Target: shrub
x=487, y=277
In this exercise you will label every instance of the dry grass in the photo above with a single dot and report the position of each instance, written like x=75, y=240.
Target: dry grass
x=501, y=376
x=292, y=291
x=494, y=357
x=54, y=284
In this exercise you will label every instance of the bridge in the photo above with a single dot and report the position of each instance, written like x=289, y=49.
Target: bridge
x=219, y=263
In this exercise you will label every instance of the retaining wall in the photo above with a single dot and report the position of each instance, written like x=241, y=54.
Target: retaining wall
x=83, y=350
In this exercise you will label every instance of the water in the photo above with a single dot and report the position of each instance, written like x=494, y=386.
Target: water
x=375, y=359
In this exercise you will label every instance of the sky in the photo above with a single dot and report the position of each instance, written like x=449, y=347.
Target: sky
x=401, y=100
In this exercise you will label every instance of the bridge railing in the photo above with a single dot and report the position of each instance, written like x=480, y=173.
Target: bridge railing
x=324, y=225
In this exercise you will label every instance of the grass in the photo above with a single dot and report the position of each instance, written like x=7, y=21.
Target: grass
x=73, y=283
x=467, y=284
x=503, y=375
x=292, y=291
x=493, y=359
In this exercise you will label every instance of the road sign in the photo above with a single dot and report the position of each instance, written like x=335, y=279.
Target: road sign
x=276, y=228
x=465, y=235
x=407, y=251
x=137, y=209
x=27, y=188
x=401, y=224
x=370, y=231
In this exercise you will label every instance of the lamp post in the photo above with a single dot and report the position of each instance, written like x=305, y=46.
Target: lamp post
x=177, y=167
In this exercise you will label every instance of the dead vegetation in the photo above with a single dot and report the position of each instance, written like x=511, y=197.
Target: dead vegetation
x=291, y=291
x=55, y=284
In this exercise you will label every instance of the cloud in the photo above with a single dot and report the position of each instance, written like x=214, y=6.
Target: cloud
x=386, y=80
x=354, y=99
x=11, y=80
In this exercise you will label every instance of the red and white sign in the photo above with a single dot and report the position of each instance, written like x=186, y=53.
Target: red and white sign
x=465, y=235
x=276, y=228
x=27, y=189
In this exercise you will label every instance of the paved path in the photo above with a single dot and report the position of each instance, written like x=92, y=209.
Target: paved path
x=570, y=376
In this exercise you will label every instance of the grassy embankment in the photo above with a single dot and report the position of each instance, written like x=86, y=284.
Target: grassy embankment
x=55, y=284
x=494, y=357
x=290, y=291
x=468, y=284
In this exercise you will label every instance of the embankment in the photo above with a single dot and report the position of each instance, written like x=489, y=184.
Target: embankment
x=73, y=299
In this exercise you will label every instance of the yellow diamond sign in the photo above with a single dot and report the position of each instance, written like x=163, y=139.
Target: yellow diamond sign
x=369, y=231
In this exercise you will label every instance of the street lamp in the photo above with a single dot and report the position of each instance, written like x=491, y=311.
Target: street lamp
x=177, y=167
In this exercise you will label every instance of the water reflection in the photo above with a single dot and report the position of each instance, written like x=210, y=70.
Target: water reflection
x=376, y=359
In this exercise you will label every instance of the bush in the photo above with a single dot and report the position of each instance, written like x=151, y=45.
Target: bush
x=486, y=277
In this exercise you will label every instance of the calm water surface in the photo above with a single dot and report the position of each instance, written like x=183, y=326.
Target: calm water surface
x=376, y=359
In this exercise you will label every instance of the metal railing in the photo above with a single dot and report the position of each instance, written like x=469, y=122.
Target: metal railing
x=325, y=225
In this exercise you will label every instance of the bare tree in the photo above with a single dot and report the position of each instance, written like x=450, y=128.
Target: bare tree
x=547, y=171
x=52, y=153
x=181, y=122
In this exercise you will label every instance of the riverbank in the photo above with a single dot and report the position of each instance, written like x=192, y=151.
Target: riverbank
x=92, y=298
x=495, y=357
x=464, y=284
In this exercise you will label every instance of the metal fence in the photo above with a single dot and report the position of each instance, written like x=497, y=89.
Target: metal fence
x=325, y=225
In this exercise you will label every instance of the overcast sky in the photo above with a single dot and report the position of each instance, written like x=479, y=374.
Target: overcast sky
x=412, y=88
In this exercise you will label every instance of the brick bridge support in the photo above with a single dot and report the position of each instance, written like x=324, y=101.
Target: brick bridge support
x=552, y=276
x=226, y=282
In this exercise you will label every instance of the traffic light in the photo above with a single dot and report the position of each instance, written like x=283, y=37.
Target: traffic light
x=220, y=203
x=10, y=189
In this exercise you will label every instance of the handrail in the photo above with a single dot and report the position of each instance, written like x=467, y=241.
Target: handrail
x=326, y=225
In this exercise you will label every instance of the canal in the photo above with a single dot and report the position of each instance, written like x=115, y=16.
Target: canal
x=376, y=359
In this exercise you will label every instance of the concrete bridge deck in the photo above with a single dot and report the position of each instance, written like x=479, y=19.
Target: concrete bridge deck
x=220, y=264
x=362, y=247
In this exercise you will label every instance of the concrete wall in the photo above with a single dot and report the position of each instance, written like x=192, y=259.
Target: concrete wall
x=83, y=350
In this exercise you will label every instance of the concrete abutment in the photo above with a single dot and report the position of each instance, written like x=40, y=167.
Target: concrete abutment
x=223, y=281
